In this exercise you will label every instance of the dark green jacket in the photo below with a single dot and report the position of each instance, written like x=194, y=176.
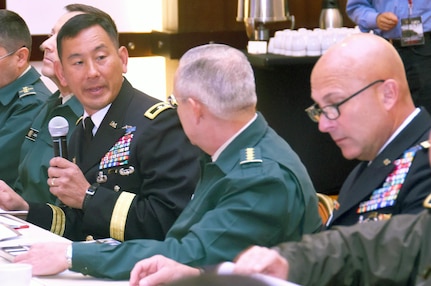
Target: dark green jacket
x=37, y=150
x=144, y=164
x=392, y=252
x=256, y=192
x=20, y=102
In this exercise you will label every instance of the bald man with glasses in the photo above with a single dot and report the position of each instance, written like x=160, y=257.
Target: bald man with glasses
x=362, y=99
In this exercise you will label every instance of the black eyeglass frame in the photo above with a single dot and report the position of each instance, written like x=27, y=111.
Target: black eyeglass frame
x=314, y=112
x=10, y=53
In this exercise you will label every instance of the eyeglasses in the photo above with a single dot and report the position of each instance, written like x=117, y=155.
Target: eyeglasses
x=9, y=54
x=172, y=101
x=332, y=111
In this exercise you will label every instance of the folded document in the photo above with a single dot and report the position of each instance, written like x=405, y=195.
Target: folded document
x=227, y=268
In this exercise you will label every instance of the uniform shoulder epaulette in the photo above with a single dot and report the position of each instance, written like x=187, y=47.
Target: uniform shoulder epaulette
x=26, y=90
x=156, y=109
x=250, y=155
x=79, y=120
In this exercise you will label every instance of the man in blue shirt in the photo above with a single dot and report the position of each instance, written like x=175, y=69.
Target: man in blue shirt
x=389, y=18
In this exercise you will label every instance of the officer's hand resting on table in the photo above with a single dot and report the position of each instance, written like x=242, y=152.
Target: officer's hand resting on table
x=67, y=182
x=158, y=270
x=263, y=260
x=46, y=258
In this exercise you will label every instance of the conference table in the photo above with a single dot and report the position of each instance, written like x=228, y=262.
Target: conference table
x=31, y=234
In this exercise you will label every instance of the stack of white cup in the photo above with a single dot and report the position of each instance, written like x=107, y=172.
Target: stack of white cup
x=304, y=42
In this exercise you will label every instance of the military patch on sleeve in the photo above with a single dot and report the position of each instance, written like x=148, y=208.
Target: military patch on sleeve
x=156, y=109
x=250, y=155
x=32, y=134
x=26, y=90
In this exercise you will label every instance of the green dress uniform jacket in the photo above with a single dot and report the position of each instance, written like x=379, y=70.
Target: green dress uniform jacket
x=392, y=252
x=145, y=167
x=37, y=149
x=256, y=192
x=20, y=102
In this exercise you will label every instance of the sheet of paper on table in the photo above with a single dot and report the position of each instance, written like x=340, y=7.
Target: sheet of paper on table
x=227, y=268
x=13, y=222
x=7, y=231
x=34, y=234
x=2, y=211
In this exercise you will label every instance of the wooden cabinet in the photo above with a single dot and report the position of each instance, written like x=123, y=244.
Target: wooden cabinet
x=185, y=16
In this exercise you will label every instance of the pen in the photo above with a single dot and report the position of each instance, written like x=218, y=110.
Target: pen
x=21, y=226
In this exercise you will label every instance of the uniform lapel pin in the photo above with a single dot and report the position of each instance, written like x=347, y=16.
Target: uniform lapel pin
x=113, y=124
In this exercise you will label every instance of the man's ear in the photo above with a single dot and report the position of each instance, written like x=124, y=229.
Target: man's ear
x=123, y=53
x=23, y=54
x=58, y=68
x=390, y=93
x=197, y=109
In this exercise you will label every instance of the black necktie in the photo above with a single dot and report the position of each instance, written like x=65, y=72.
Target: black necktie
x=59, y=101
x=88, y=129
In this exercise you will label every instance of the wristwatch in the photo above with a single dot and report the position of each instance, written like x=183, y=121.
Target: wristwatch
x=69, y=256
x=89, y=194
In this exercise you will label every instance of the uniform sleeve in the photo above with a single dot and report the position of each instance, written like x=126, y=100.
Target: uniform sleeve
x=12, y=134
x=375, y=253
x=58, y=220
x=263, y=211
x=167, y=166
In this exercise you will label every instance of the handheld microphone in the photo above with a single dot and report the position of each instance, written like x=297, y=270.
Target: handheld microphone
x=58, y=128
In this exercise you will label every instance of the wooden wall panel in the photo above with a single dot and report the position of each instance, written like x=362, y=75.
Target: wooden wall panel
x=207, y=16
x=307, y=12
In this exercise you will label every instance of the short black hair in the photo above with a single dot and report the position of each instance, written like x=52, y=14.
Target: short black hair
x=14, y=32
x=87, y=9
x=84, y=21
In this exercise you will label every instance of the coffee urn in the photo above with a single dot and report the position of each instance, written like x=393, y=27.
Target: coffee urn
x=257, y=13
x=330, y=16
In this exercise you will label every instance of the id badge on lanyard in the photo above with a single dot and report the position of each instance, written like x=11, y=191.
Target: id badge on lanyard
x=412, y=31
